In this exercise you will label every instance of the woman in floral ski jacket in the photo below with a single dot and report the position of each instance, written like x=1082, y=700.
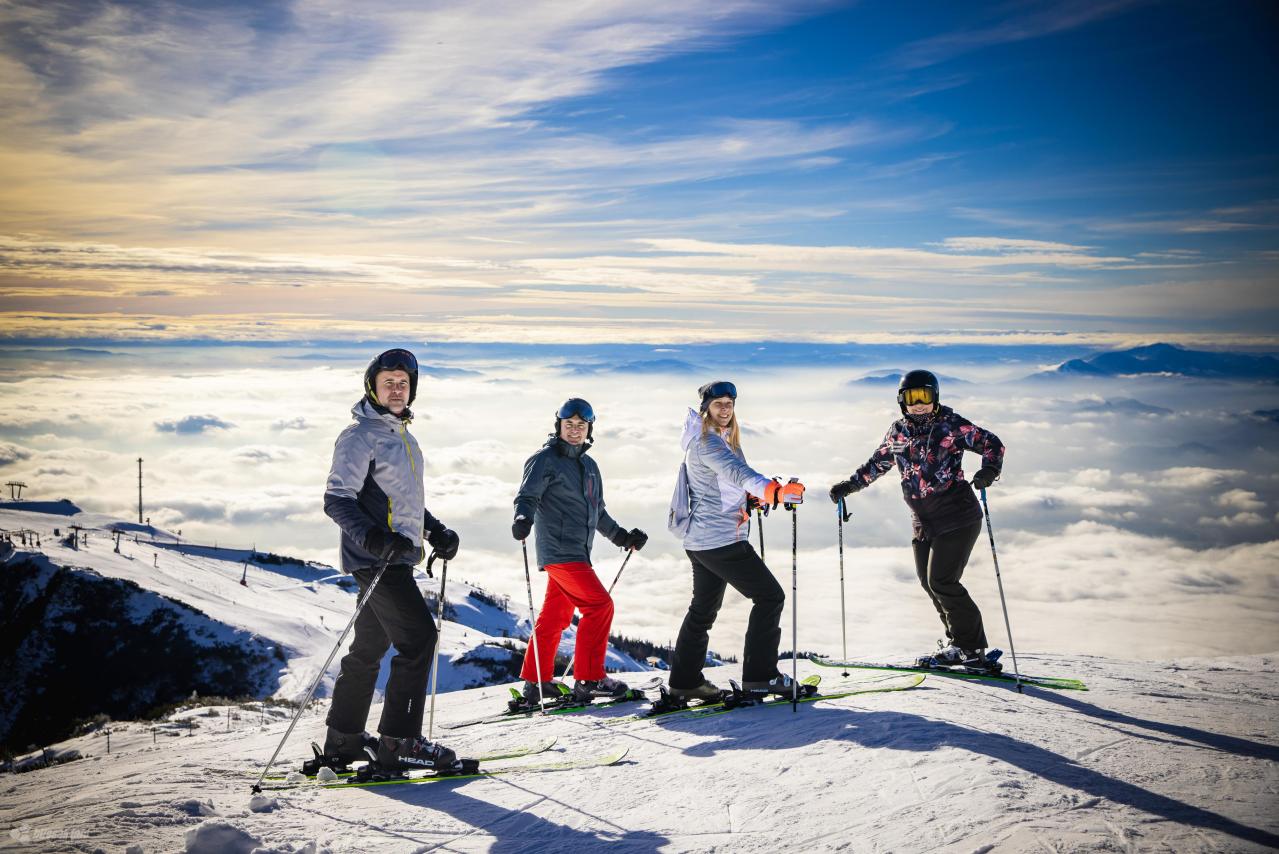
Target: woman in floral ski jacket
x=927, y=445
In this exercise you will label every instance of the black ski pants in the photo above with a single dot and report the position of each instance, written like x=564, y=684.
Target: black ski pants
x=713, y=570
x=395, y=614
x=940, y=563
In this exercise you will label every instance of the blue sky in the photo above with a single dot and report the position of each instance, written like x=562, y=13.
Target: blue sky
x=672, y=172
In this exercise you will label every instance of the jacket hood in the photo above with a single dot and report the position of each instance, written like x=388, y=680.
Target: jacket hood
x=692, y=429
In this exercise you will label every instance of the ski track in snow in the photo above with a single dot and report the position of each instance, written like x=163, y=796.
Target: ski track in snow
x=1170, y=756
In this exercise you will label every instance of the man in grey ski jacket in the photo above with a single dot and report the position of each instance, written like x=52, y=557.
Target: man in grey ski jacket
x=376, y=497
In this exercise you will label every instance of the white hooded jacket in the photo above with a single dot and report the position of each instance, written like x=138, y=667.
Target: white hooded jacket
x=718, y=480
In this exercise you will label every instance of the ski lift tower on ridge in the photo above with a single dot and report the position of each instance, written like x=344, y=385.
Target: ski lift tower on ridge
x=15, y=489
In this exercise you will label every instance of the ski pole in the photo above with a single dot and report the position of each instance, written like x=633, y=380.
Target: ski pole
x=364, y=600
x=843, y=517
x=532, y=632
x=990, y=531
x=759, y=514
x=439, y=637
x=794, y=595
x=572, y=659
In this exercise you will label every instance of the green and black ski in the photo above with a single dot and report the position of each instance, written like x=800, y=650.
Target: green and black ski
x=519, y=710
x=1056, y=682
x=597, y=761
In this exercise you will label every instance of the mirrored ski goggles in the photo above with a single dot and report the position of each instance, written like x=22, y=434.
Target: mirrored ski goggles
x=723, y=388
x=912, y=396
x=577, y=407
x=397, y=360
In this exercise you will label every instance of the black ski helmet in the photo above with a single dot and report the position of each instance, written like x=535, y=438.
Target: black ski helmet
x=918, y=379
x=579, y=407
x=719, y=388
x=391, y=360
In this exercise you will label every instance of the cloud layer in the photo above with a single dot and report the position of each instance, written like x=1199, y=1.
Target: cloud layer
x=1120, y=530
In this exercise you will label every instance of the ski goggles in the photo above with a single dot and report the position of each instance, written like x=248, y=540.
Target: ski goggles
x=576, y=406
x=723, y=388
x=397, y=360
x=913, y=396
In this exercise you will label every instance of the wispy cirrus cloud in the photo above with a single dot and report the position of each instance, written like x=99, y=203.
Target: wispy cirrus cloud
x=467, y=165
x=1022, y=22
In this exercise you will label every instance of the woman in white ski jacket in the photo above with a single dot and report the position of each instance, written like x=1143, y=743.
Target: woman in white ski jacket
x=722, y=489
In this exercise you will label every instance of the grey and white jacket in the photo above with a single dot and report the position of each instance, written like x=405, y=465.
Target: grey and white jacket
x=718, y=480
x=376, y=481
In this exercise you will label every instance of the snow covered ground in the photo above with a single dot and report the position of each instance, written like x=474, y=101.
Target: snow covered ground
x=1180, y=756
x=303, y=607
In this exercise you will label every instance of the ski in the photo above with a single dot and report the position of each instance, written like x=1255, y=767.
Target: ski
x=493, y=756
x=563, y=707
x=1055, y=682
x=597, y=761
x=904, y=684
x=846, y=689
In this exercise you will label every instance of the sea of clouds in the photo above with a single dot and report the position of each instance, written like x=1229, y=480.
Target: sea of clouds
x=1136, y=515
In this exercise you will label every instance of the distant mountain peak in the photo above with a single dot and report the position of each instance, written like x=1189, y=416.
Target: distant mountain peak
x=1173, y=360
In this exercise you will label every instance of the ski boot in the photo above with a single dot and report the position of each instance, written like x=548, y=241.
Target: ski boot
x=971, y=660
x=754, y=691
x=587, y=690
x=340, y=750
x=947, y=655
x=673, y=699
x=393, y=758
x=555, y=693
x=981, y=661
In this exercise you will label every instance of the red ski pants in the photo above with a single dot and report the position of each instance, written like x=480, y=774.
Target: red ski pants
x=569, y=586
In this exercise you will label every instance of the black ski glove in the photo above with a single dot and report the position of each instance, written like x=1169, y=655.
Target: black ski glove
x=521, y=528
x=392, y=547
x=445, y=542
x=635, y=540
x=619, y=538
x=843, y=489
x=984, y=479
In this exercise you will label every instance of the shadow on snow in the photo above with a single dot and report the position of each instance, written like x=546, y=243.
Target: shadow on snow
x=909, y=732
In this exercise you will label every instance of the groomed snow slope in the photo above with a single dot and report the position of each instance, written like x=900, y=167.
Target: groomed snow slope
x=1180, y=756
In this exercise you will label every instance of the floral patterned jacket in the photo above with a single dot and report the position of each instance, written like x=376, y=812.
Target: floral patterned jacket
x=929, y=455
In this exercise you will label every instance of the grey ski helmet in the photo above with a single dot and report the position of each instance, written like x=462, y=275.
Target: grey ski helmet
x=579, y=407
x=391, y=360
x=918, y=380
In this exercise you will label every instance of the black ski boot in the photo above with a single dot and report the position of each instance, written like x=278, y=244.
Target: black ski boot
x=554, y=692
x=340, y=750
x=980, y=661
x=408, y=754
x=586, y=690
x=781, y=684
x=672, y=699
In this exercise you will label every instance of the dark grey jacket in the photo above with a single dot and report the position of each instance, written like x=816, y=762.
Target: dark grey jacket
x=563, y=494
x=376, y=482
